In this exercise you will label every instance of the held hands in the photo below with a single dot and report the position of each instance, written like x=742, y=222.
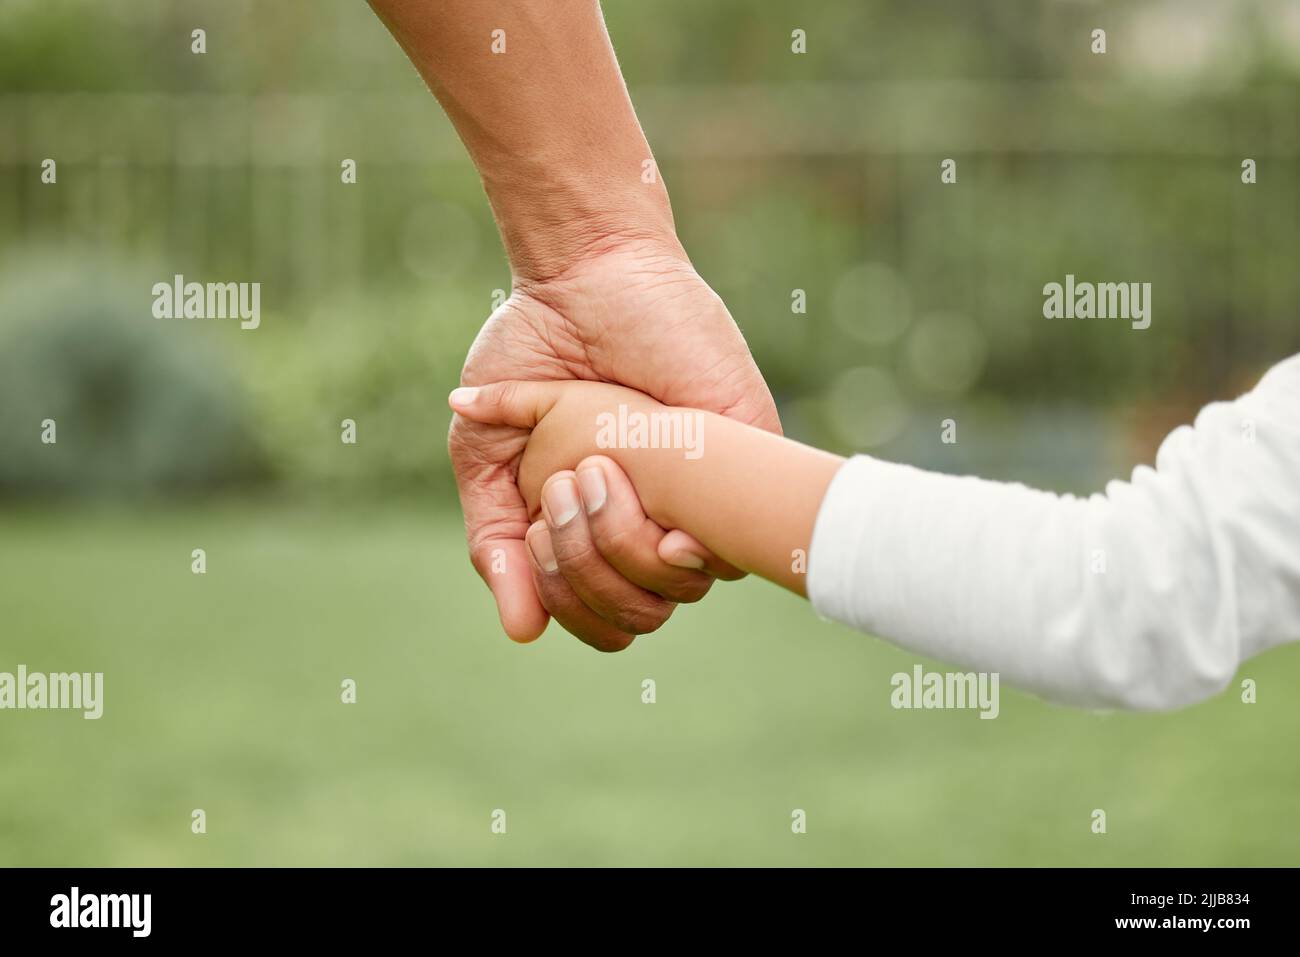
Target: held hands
x=635, y=313
x=591, y=519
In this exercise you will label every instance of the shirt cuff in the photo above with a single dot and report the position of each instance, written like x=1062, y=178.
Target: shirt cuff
x=840, y=582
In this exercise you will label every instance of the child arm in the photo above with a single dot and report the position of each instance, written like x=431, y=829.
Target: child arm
x=1146, y=597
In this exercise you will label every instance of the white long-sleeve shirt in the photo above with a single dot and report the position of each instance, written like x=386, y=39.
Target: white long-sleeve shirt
x=1148, y=596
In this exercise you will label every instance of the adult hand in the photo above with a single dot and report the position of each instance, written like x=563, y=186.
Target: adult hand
x=633, y=312
x=602, y=289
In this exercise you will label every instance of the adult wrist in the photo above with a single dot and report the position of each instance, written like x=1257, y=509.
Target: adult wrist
x=551, y=222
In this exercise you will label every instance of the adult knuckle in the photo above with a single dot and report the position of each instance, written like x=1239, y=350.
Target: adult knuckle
x=615, y=540
x=608, y=643
x=687, y=590
x=575, y=553
x=642, y=617
x=559, y=603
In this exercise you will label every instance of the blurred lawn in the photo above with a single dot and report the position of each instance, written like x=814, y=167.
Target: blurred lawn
x=222, y=692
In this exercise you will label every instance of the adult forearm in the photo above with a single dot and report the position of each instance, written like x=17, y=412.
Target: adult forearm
x=535, y=93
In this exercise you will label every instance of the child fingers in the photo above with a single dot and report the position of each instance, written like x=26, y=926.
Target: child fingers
x=627, y=538
x=681, y=550
x=563, y=604
x=600, y=586
x=518, y=403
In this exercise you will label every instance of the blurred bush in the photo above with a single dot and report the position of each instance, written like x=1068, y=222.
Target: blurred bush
x=135, y=409
x=384, y=362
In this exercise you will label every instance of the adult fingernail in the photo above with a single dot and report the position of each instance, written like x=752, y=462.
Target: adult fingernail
x=592, y=482
x=463, y=397
x=539, y=541
x=561, y=499
x=685, y=559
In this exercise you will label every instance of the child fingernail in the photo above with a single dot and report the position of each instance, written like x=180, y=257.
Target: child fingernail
x=462, y=397
x=592, y=483
x=539, y=542
x=684, y=559
x=561, y=500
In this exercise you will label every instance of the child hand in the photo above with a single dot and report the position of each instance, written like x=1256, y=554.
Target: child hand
x=562, y=417
x=594, y=527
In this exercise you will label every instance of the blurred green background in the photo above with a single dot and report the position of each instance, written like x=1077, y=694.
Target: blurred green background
x=817, y=172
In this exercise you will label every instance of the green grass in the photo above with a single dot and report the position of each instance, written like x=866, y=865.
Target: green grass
x=222, y=693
